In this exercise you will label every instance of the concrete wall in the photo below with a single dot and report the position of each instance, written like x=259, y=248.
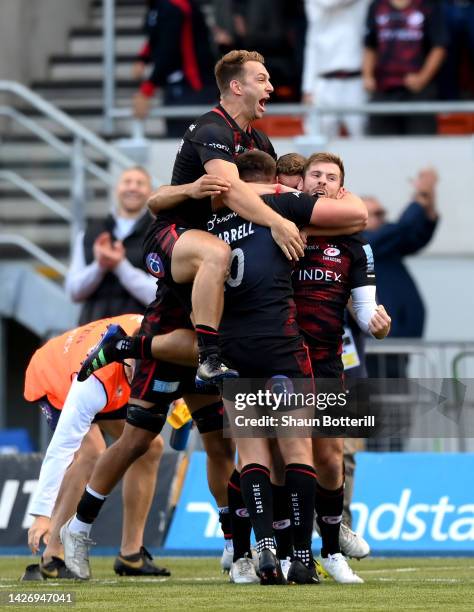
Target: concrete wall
x=32, y=30
x=383, y=167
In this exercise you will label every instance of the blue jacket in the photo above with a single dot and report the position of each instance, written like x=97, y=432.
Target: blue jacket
x=396, y=289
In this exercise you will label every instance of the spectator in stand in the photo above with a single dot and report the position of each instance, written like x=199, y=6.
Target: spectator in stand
x=459, y=18
x=106, y=272
x=396, y=289
x=273, y=28
x=224, y=33
x=180, y=50
x=405, y=46
x=332, y=73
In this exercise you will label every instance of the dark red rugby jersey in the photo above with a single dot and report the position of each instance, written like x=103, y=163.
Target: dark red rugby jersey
x=322, y=283
x=215, y=135
x=403, y=38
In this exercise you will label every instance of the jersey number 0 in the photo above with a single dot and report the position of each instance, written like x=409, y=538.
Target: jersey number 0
x=234, y=281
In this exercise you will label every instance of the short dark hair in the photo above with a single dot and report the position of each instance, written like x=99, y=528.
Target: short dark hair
x=255, y=165
x=231, y=66
x=291, y=164
x=325, y=158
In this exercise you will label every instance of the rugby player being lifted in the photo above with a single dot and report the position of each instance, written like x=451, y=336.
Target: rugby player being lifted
x=178, y=250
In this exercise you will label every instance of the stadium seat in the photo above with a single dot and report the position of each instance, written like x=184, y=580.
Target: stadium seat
x=280, y=125
x=456, y=123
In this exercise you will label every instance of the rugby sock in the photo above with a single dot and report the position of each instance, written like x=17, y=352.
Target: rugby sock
x=136, y=347
x=300, y=482
x=329, y=506
x=208, y=341
x=77, y=526
x=89, y=505
x=282, y=522
x=257, y=493
x=239, y=518
x=224, y=520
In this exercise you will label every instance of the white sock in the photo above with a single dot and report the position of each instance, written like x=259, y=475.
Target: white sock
x=95, y=494
x=77, y=526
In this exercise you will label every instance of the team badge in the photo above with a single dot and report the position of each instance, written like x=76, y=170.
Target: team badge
x=332, y=252
x=155, y=265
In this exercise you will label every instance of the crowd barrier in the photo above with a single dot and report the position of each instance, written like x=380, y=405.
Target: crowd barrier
x=18, y=479
x=404, y=504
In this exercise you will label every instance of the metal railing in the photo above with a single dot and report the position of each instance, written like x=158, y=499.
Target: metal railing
x=77, y=155
x=443, y=363
x=311, y=113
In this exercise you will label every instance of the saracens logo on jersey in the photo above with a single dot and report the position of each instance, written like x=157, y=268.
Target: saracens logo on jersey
x=332, y=252
x=155, y=265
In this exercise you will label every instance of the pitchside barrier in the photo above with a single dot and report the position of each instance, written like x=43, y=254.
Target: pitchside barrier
x=403, y=504
x=18, y=479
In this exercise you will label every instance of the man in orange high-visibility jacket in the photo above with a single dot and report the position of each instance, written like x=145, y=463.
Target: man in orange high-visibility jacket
x=85, y=410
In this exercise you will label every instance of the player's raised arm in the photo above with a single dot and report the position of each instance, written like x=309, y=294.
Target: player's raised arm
x=169, y=196
x=349, y=211
x=245, y=202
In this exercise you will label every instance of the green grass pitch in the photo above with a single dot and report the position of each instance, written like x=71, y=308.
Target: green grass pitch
x=441, y=584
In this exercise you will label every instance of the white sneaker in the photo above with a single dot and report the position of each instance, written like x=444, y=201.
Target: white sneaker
x=227, y=557
x=76, y=551
x=337, y=567
x=254, y=558
x=352, y=545
x=243, y=571
x=285, y=565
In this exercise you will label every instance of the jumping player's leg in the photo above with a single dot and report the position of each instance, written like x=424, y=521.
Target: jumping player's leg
x=178, y=347
x=138, y=490
x=204, y=260
x=144, y=422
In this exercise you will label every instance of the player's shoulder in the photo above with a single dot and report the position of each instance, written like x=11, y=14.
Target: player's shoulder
x=210, y=120
x=288, y=197
x=212, y=130
x=358, y=246
x=264, y=143
x=356, y=240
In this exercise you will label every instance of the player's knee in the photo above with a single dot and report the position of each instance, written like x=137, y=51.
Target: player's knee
x=330, y=467
x=155, y=449
x=219, y=256
x=210, y=418
x=149, y=419
x=219, y=450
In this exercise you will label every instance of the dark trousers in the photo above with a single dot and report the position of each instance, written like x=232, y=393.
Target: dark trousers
x=387, y=125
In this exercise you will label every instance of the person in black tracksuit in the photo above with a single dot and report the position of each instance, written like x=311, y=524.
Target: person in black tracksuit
x=179, y=49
